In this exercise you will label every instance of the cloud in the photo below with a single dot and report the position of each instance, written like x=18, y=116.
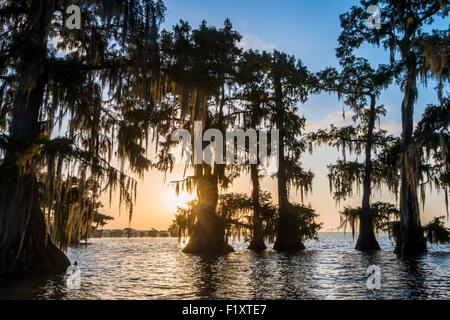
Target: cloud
x=392, y=127
x=334, y=118
x=249, y=41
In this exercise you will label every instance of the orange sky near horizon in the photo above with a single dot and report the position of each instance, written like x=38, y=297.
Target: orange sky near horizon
x=157, y=203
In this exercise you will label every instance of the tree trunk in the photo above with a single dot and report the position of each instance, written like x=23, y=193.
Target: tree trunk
x=208, y=236
x=411, y=240
x=257, y=243
x=366, y=239
x=287, y=238
x=24, y=244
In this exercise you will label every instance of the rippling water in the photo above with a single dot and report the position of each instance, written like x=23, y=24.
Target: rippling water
x=155, y=268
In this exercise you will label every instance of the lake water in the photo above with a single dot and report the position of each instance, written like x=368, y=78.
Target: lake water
x=155, y=268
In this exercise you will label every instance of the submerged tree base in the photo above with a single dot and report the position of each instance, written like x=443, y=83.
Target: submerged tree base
x=286, y=243
x=293, y=222
x=38, y=261
x=257, y=245
x=415, y=246
x=196, y=246
x=48, y=260
x=368, y=243
x=25, y=246
x=38, y=254
x=208, y=236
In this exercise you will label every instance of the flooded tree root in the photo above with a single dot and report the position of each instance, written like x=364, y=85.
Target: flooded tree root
x=25, y=246
x=208, y=236
x=367, y=242
x=257, y=245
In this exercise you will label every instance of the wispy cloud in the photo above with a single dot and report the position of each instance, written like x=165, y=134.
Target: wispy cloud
x=336, y=119
x=394, y=128
x=256, y=43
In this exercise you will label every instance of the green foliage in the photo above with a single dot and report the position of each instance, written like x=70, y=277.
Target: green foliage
x=401, y=23
x=184, y=220
x=306, y=216
x=432, y=140
x=101, y=220
x=356, y=83
x=174, y=230
x=73, y=212
x=384, y=216
x=106, y=87
x=224, y=87
x=344, y=178
x=290, y=83
x=235, y=209
x=360, y=85
x=436, y=232
x=414, y=53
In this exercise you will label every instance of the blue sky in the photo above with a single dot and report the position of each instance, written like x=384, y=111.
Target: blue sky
x=307, y=29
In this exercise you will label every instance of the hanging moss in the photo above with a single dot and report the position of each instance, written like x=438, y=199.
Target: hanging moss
x=384, y=215
x=98, y=97
x=436, y=232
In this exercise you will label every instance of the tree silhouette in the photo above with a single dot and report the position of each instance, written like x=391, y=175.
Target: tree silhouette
x=402, y=31
x=289, y=84
x=360, y=85
x=97, y=86
x=384, y=217
x=252, y=80
x=202, y=64
x=436, y=232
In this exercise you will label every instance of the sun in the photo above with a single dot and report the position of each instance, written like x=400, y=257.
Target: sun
x=182, y=199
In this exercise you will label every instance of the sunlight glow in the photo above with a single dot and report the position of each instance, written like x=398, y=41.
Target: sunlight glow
x=181, y=200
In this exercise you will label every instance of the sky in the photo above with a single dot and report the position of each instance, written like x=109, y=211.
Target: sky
x=309, y=30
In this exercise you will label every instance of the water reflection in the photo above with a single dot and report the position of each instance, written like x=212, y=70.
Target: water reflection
x=415, y=278
x=156, y=269
x=45, y=287
x=207, y=281
x=293, y=272
x=260, y=276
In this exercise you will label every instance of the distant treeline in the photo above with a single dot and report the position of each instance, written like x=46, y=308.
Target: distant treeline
x=130, y=233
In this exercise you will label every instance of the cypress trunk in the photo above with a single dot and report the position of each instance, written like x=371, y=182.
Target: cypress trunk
x=411, y=240
x=24, y=243
x=257, y=243
x=287, y=228
x=208, y=236
x=287, y=235
x=366, y=239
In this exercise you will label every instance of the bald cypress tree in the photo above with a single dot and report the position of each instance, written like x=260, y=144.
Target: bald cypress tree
x=289, y=83
x=252, y=80
x=202, y=64
x=93, y=89
x=401, y=31
x=360, y=85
